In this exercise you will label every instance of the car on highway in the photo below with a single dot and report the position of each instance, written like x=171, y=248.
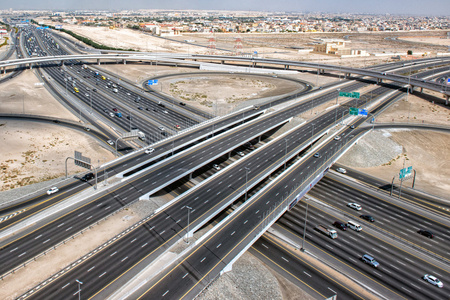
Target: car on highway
x=355, y=206
x=87, y=128
x=352, y=126
x=149, y=150
x=161, y=128
x=115, y=109
x=140, y=108
x=52, y=190
x=177, y=126
x=128, y=94
x=165, y=111
x=433, y=280
x=87, y=177
x=370, y=260
x=182, y=103
x=240, y=153
x=341, y=170
x=426, y=233
x=340, y=225
x=163, y=133
x=367, y=218
x=111, y=142
x=111, y=114
x=105, y=109
x=147, y=108
x=216, y=166
x=317, y=155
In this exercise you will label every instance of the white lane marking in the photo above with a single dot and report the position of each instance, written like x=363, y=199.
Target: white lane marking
x=307, y=274
x=332, y=290
x=185, y=275
x=113, y=253
x=165, y=293
x=14, y=249
x=38, y=237
x=102, y=274
x=21, y=254
x=91, y=269
x=69, y=228
x=144, y=245
x=203, y=259
x=284, y=259
x=65, y=285
x=125, y=258
x=45, y=241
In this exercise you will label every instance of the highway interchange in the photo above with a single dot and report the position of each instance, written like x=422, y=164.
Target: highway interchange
x=227, y=186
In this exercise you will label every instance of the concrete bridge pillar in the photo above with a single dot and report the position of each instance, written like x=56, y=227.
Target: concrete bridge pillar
x=411, y=90
x=254, y=64
x=124, y=61
x=31, y=66
x=446, y=100
x=421, y=90
x=4, y=70
x=98, y=61
x=222, y=62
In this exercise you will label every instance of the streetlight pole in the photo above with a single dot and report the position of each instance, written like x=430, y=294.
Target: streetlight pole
x=337, y=96
x=188, y=214
x=79, y=288
x=90, y=99
x=312, y=134
x=285, y=153
x=304, y=229
x=246, y=181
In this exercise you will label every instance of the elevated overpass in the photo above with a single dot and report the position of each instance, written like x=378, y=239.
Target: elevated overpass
x=177, y=59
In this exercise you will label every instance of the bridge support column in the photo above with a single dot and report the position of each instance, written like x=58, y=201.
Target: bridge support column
x=254, y=64
x=446, y=100
x=411, y=90
x=62, y=63
x=190, y=176
x=98, y=61
x=4, y=70
x=421, y=90
x=124, y=61
x=379, y=80
x=31, y=66
x=222, y=62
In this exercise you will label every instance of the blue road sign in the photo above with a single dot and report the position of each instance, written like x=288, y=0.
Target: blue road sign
x=362, y=112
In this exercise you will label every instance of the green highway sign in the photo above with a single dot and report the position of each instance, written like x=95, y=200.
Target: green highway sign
x=404, y=172
x=353, y=111
x=349, y=95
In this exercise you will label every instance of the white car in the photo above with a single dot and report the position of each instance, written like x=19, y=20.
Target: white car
x=240, y=153
x=433, y=280
x=52, y=190
x=215, y=166
x=149, y=150
x=337, y=138
x=111, y=142
x=341, y=170
x=354, y=206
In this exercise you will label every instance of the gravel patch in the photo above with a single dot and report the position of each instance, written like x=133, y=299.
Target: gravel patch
x=249, y=279
x=374, y=149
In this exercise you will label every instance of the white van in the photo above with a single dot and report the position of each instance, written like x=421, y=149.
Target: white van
x=354, y=226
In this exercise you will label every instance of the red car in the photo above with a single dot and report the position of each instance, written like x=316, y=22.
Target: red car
x=115, y=109
x=177, y=126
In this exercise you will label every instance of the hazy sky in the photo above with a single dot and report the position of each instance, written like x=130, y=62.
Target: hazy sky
x=414, y=7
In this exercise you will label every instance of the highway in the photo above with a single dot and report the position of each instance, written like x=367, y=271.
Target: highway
x=300, y=270
x=177, y=217
x=214, y=253
x=330, y=119
x=393, y=218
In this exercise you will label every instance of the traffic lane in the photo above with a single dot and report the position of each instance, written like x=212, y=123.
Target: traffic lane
x=382, y=210
x=98, y=269
x=173, y=215
x=351, y=245
x=26, y=255
x=408, y=214
x=299, y=271
x=394, y=220
x=381, y=185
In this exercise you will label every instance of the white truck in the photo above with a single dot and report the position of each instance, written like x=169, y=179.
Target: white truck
x=329, y=232
x=141, y=135
x=115, y=90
